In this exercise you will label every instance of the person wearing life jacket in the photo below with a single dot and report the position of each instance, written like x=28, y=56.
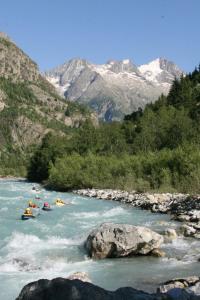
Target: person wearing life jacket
x=28, y=212
x=46, y=205
x=31, y=204
x=59, y=202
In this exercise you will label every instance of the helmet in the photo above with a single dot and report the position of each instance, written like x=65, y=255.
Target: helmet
x=46, y=204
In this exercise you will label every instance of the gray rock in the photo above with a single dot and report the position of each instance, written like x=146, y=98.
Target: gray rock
x=158, y=253
x=120, y=240
x=179, y=283
x=170, y=234
x=80, y=276
x=187, y=230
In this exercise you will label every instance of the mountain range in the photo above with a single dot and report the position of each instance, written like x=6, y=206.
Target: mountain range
x=116, y=88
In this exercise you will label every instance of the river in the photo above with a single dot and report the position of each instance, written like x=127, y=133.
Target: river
x=52, y=244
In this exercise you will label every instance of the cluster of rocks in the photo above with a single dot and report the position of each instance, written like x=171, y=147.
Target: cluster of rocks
x=191, y=283
x=114, y=240
x=183, y=207
x=65, y=289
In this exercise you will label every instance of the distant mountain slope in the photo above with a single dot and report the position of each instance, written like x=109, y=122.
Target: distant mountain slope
x=29, y=105
x=115, y=88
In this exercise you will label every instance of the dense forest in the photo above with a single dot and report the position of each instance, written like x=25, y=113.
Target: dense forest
x=154, y=149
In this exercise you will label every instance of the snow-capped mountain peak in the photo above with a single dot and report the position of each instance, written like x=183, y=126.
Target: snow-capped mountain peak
x=160, y=71
x=120, y=66
x=115, y=88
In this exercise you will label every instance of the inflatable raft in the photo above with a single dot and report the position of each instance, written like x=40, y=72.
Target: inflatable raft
x=27, y=217
x=46, y=208
x=59, y=202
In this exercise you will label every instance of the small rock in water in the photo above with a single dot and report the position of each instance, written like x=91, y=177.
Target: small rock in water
x=178, y=283
x=81, y=276
x=170, y=234
x=187, y=230
x=158, y=253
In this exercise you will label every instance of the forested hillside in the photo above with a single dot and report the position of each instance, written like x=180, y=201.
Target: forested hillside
x=29, y=109
x=154, y=149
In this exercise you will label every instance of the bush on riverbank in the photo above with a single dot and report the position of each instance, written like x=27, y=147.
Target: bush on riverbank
x=166, y=170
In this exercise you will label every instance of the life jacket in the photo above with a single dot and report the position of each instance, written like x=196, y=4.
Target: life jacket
x=33, y=205
x=28, y=213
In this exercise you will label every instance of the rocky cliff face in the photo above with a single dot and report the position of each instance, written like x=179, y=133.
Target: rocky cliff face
x=115, y=88
x=14, y=63
x=29, y=105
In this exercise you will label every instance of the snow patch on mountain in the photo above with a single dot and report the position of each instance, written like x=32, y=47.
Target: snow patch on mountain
x=116, y=87
x=151, y=70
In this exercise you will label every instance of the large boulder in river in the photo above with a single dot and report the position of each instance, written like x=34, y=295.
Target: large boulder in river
x=65, y=289
x=119, y=240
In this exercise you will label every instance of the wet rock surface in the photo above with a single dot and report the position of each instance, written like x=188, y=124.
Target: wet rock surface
x=121, y=240
x=182, y=207
x=80, y=276
x=178, y=282
x=65, y=289
x=190, y=285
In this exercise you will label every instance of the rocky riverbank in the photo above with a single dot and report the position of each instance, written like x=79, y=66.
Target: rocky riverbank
x=182, y=207
x=65, y=289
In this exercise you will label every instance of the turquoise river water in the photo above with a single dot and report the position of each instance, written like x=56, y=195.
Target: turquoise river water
x=52, y=244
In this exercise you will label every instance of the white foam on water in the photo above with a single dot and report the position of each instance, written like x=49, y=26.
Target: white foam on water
x=42, y=226
x=59, y=226
x=173, y=262
x=28, y=246
x=115, y=212
x=85, y=215
x=86, y=225
x=106, y=214
x=25, y=253
x=149, y=223
x=47, y=265
x=11, y=198
x=181, y=244
x=4, y=209
x=186, y=251
x=55, y=240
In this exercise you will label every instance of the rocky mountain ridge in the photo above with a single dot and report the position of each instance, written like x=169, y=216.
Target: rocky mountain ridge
x=115, y=88
x=30, y=107
x=14, y=63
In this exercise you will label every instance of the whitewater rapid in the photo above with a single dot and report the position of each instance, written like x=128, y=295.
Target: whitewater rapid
x=52, y=244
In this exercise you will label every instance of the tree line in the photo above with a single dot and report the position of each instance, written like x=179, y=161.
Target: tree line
x=152, y=149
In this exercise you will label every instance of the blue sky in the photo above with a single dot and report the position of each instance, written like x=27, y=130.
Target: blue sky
x=53, y=31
